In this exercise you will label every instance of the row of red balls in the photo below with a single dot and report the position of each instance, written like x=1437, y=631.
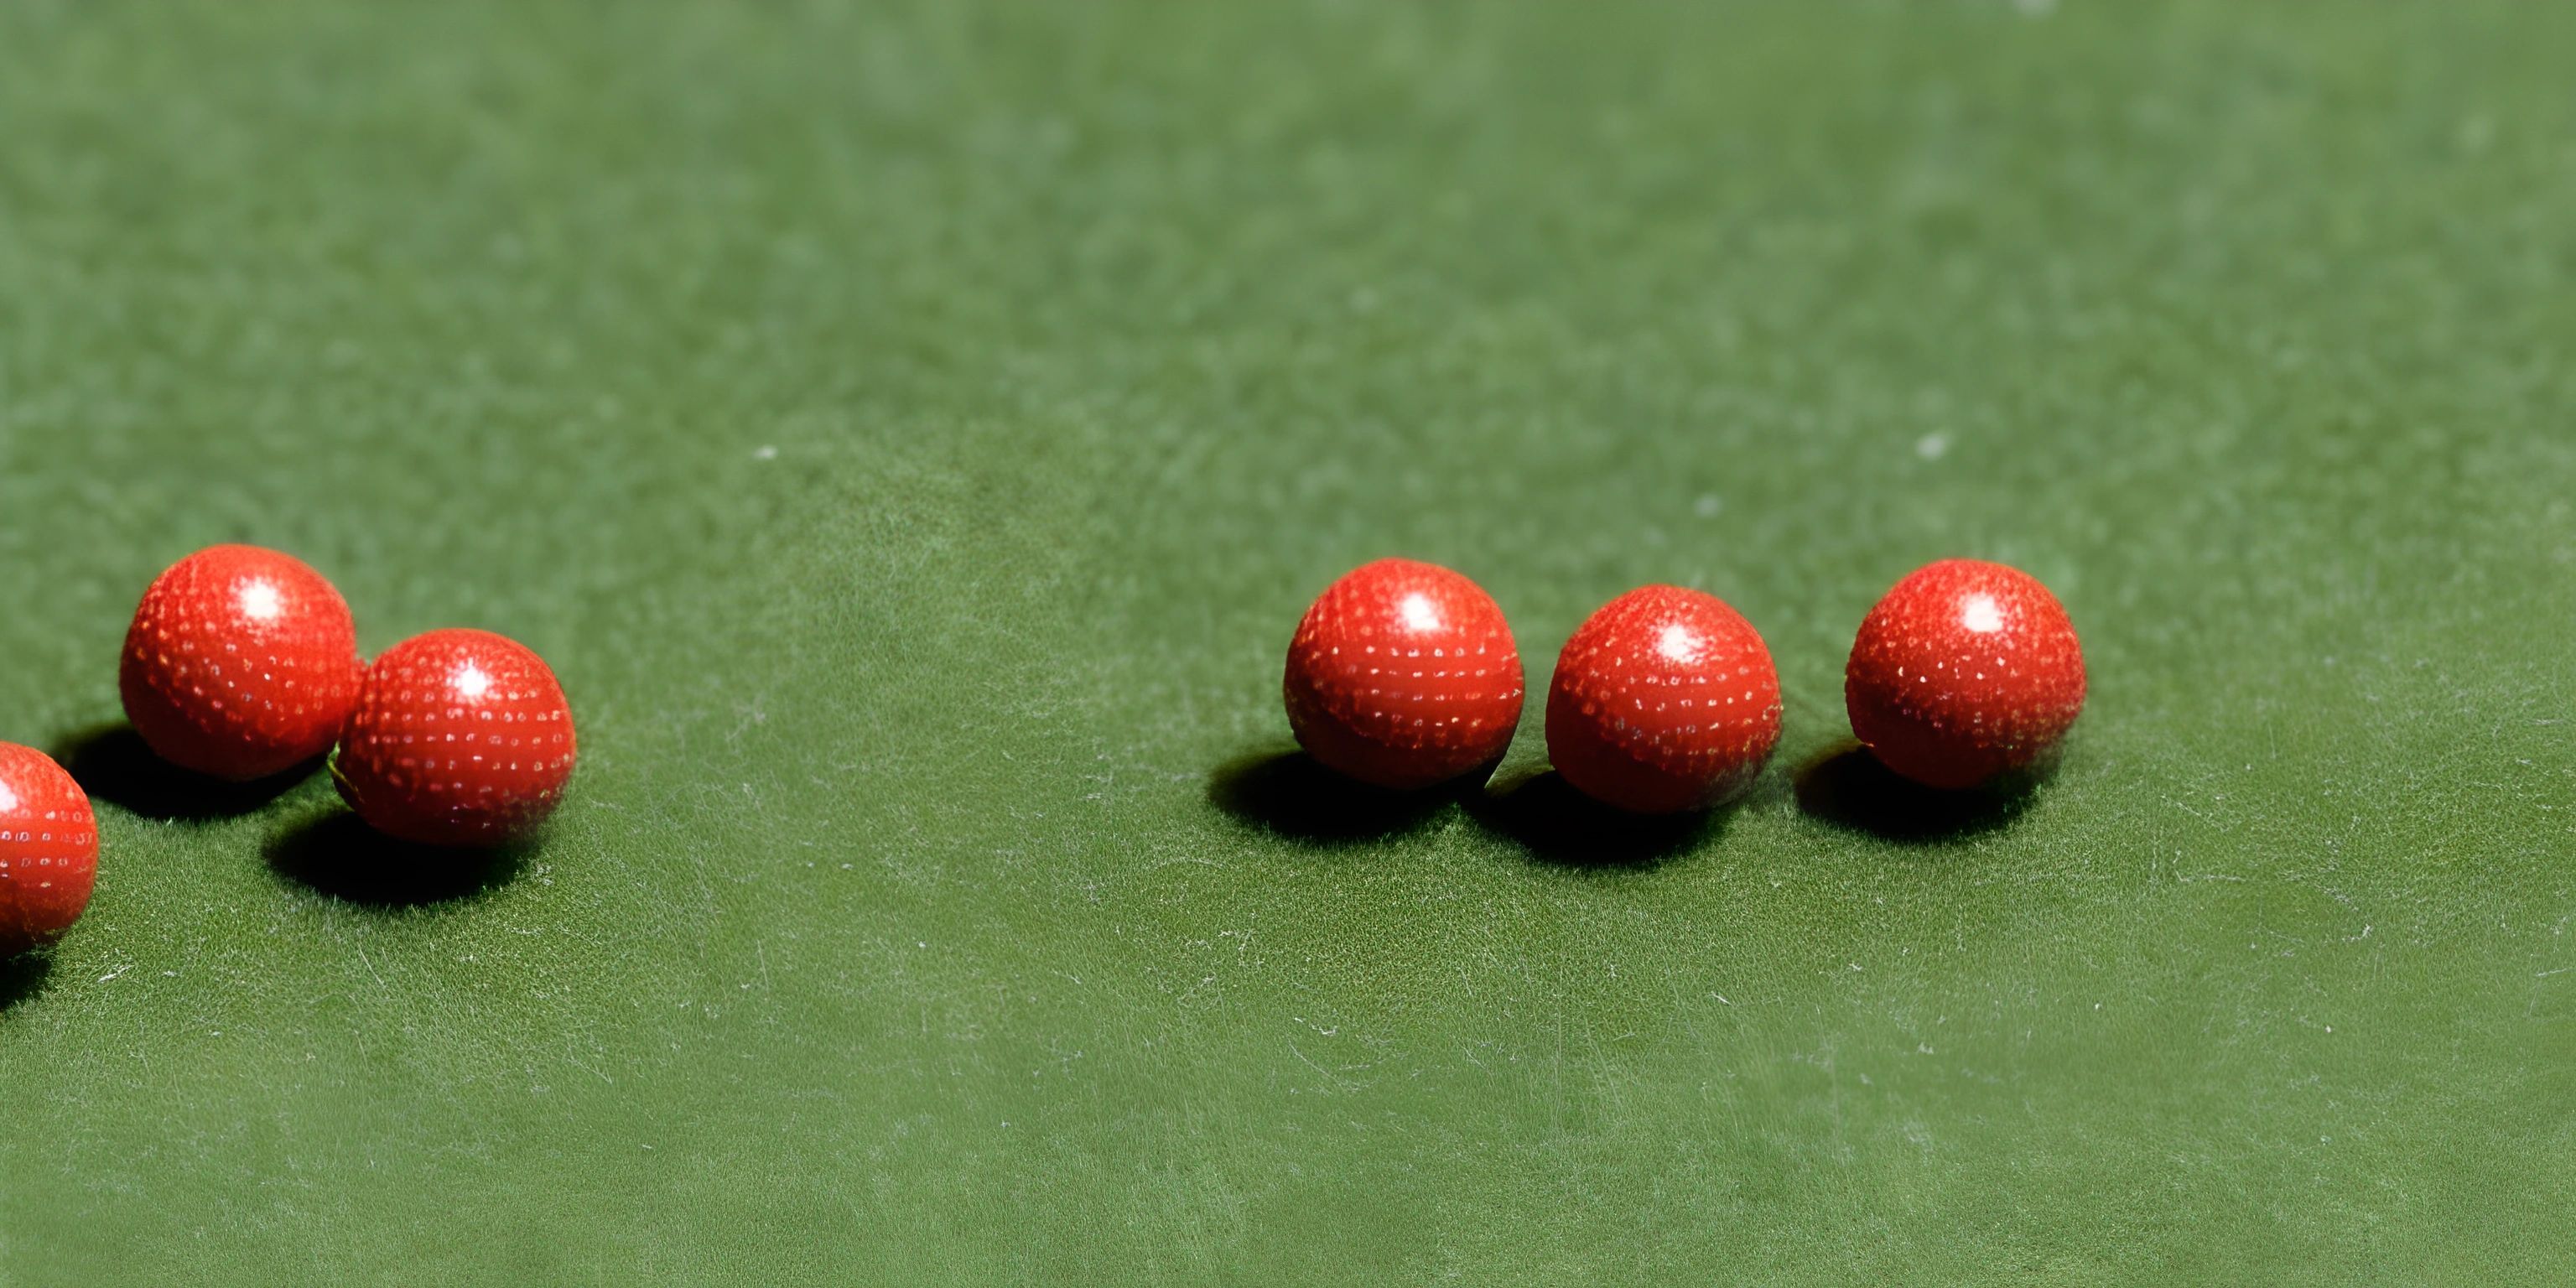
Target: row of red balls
x=1404, y=674
x=242, y=663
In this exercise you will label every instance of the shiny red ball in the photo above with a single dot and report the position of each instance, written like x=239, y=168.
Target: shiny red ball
x=1965, y=672
x=1403, y=674
x=1664, y=700
x=241, y=663
x=48, y=849
x=460, y=738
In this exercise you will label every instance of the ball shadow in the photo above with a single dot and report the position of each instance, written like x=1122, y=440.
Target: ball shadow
x=114, y=764
x=23, y=978
x=1289, y=794
x=338, y=855
x=1557, y=824
x=1850, y=789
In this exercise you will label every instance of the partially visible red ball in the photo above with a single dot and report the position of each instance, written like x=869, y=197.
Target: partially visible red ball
x=48, y=849
x=460, y=737
x=1965, y=672
x=1664, y=700
x=241, y=663
x=1403, y=674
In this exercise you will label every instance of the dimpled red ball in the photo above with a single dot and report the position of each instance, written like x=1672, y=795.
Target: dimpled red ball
x=1665, y=700
x=241, y=663
x=1965, y=672
x=459, y=738
x=1403, y=674
x=48, y=849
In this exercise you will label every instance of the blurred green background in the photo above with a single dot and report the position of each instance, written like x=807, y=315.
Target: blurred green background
x=912, y=432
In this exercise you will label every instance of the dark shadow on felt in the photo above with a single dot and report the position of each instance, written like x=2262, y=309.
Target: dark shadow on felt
x=114, y=764
x=338, y=855
x=1560, y=825
x=23, y=978
x=1288, y=793
x=1850, y=789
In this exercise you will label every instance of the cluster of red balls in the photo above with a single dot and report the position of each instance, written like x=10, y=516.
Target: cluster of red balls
x=243, y=664
x=1404, y=674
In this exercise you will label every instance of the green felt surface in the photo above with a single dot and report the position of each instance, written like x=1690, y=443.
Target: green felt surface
x=912, y=433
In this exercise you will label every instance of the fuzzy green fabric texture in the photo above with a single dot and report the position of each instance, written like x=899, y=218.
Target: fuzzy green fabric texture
x=912, y=433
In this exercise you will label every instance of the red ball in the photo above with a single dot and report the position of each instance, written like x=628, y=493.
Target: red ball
x=1403, y=674
x=459, y=738
x=1664, y=700
x=241, y=663
x=1965, y=672
x=48, y=850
